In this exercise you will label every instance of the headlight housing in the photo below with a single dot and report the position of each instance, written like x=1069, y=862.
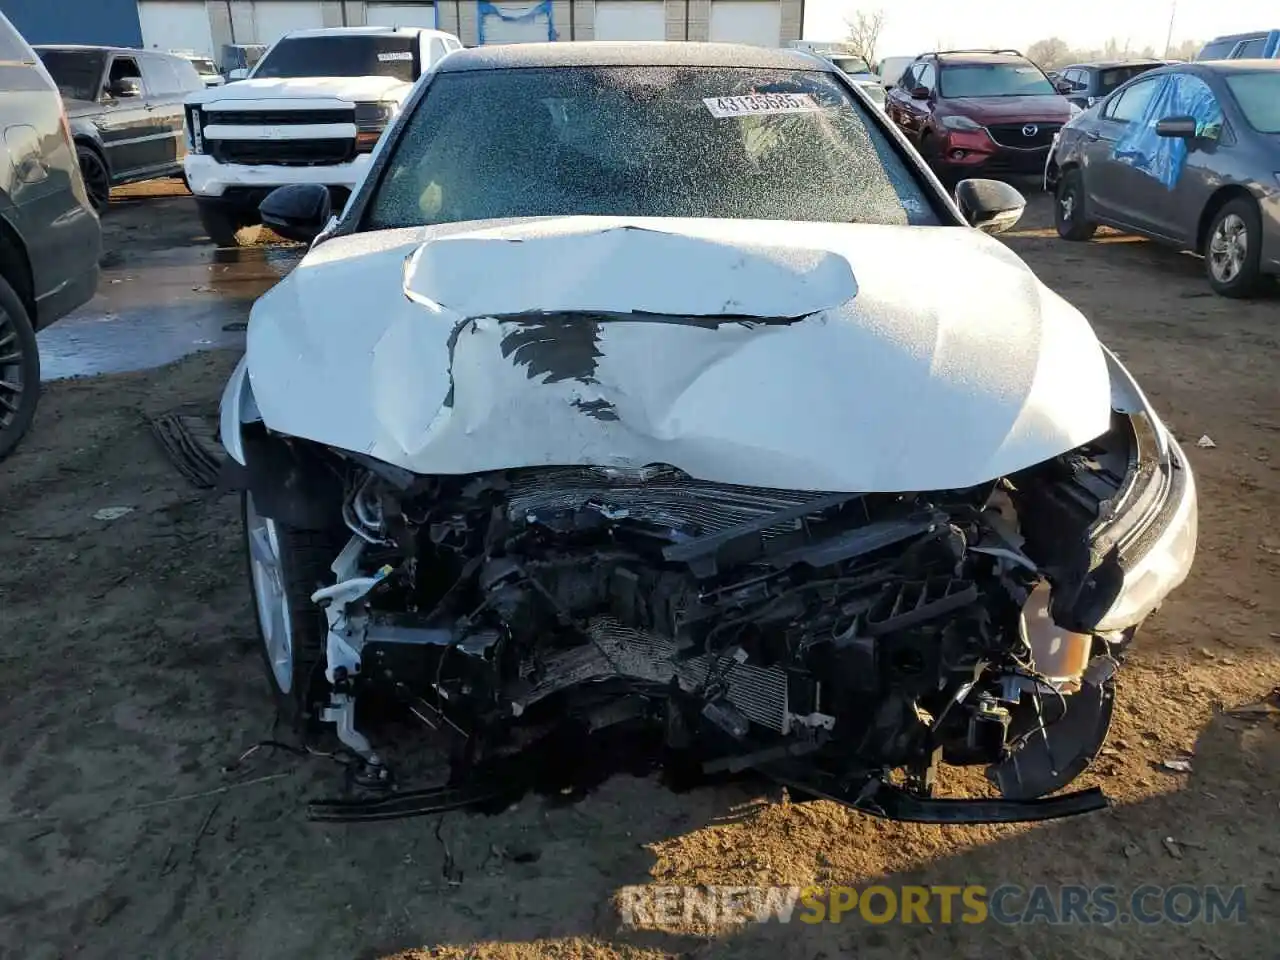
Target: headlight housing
x=1148, y=532
x=956, y=122
x=194, y=123
x=371, y=119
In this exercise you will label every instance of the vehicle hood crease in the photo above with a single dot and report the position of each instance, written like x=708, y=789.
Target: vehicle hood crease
x=412, y=346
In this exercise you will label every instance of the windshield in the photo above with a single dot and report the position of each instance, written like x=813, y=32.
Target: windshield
x=1258, y=95
x=644, y=141
x=78, y=73
x=994, y=80
x=851, y=65
x=1217, y=50
x=1109, y=80
x=342, y=56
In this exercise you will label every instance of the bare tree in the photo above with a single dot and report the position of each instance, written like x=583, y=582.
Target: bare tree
x=1049, y=54
x=863, y=33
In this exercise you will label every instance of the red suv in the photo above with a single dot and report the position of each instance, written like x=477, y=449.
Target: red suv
x=979, y=112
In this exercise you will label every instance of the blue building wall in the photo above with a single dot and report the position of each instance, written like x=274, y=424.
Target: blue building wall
x=112, y=22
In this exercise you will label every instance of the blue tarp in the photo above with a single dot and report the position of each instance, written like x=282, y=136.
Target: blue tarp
x=486, y=9
x=1178, y=95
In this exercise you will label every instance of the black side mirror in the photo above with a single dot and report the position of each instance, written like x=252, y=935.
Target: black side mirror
x=125, y=87
x=989, y=205
x=1178, y=128
x=298, y=211
x=919, y=93
x=1064, y=86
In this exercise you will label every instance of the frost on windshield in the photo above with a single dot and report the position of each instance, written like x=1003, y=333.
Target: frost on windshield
x=645, y=141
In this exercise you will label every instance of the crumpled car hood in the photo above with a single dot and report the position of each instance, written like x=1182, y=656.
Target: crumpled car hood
x=837, y=357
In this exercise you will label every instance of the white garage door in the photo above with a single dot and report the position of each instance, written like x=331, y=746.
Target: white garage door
x=400, y=15
x=272, y=19
x=631, y=20
x=515, y=22
x=170, y=25
x=747, y=21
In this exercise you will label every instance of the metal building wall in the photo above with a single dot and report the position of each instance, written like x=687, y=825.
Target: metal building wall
x=76, y=21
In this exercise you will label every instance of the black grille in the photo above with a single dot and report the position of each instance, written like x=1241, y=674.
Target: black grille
x=278, y=117
x=289, y=153
x=1016, y=134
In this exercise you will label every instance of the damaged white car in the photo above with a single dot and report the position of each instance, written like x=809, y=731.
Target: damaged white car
x=614, y=401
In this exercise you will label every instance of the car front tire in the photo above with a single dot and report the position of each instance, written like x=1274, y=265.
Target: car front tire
x=19, y=369
x=1070, y=210
x=1233, y=249
x=285, y=567
x=97, y=179
x=219, y=222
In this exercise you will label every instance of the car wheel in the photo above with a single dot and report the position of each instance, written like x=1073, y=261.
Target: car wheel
x=1069, y=209
x=285, y=567
x=219, y=223
x=1233, y=249
x=19, y=369
x=97, y=181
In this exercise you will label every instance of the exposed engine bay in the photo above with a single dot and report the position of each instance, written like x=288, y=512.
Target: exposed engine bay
x=844, y=644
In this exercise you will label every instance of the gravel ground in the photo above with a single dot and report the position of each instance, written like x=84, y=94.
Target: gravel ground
x=133, y=687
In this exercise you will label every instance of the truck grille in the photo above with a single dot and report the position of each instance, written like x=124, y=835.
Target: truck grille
x=1024, y=136
x=275, y=118
x=287, y=153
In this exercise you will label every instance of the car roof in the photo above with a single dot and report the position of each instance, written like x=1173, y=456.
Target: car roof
x=365, y=32
x=1112, y=64
x=103, y=48
x=1237, y=66
x=963, y=56
x=636, y=53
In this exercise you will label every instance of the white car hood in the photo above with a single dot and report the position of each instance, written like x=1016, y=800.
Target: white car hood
x=915, y=358
x=365, y=89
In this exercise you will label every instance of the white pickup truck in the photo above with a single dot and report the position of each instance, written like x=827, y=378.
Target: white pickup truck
x=311, y=111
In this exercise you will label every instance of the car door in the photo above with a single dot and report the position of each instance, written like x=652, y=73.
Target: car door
x=897, y=97
x=1174, y=213
x=126, y=124
x=1107, y=180
x=1078, y=84
x=915, y=113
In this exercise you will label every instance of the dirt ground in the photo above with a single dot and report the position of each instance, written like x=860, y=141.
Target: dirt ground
x=132, y=685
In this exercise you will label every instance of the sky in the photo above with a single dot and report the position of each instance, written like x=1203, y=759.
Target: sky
x=911, y=28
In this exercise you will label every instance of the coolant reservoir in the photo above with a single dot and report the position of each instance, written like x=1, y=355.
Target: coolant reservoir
x=1059, y=654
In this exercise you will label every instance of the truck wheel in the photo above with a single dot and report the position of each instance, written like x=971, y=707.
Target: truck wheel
x=285, y=567
x=1233, y=249
x=19, y=369
x=1069, y=209
x=97, y=181
x=219, y=222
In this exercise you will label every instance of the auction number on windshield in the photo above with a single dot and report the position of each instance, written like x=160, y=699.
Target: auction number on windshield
x=758, y=104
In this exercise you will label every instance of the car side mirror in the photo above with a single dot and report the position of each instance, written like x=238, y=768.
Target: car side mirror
x=1064, y=86
x=989, y=205
x=298, y=211
x=125, y=87
x=919, y=93
x=1178, y=128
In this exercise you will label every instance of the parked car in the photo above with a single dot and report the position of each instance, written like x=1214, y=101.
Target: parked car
x=1187, y=155
x=205, y=67
x=311, y=111
x=50, y=240
x=237, y=59
x=125, y=109
x=1259, y=44
x=1084, y=84
x=978, y=112
x=452, y=438
x=857, y=70
x=890, y=70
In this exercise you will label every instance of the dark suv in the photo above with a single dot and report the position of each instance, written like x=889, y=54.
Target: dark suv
x=1084, y=84
x=974, y=113
x=49, y=237
x=125, y=108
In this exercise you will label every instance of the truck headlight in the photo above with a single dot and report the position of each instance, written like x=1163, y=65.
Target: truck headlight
x=371, y=119
x=195, y=136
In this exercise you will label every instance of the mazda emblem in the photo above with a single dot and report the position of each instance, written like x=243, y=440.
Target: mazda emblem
x=1030, y=130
